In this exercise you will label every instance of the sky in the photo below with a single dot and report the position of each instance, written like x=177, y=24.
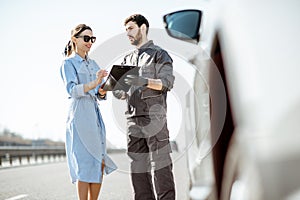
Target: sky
x=33, y=35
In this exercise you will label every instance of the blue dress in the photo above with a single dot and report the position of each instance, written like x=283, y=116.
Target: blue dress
x=85, y=130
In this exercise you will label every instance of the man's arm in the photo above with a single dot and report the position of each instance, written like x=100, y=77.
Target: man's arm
x=155, y=84
x=165, y=78
x=164, y=67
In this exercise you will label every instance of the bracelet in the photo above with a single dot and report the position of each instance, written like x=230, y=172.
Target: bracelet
x=101, y=95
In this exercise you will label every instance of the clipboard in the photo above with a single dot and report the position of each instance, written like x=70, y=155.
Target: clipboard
x=115, y=79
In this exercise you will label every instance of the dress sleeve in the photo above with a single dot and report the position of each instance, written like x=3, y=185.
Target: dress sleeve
x=70, y=78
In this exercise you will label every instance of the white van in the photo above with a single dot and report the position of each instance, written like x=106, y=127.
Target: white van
x=251, y=118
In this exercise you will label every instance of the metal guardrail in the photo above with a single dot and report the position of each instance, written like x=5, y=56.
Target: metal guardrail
x=13, y=153
x=10, y=153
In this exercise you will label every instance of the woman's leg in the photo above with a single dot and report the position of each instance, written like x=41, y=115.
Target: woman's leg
x=94, y=190
x=82, y=190
x=86, y=190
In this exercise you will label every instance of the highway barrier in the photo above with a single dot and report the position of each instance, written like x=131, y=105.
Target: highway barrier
x=31, y=154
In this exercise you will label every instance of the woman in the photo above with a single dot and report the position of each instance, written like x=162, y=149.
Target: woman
x=85, y=134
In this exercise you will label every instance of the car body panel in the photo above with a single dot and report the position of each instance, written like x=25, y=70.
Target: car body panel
x=259, y=43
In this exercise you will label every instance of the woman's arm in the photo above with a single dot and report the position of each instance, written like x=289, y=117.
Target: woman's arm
x=93, y=84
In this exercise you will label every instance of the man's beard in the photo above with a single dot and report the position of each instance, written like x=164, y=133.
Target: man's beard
x=137, y=39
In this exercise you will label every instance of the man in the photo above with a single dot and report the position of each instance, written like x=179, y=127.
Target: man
x=148, y=135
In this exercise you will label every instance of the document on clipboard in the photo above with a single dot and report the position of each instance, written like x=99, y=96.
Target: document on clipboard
x=115, y=79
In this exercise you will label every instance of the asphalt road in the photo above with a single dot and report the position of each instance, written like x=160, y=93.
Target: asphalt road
x=51, y=181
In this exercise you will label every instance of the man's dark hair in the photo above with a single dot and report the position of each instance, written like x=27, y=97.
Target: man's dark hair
x=138, y=19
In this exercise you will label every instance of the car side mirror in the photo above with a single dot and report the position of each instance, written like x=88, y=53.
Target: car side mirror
x=183, y=24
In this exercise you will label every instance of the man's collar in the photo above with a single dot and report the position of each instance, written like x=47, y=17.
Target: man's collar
x=147, y=44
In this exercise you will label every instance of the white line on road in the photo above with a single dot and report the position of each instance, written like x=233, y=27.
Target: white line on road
x=21, y=196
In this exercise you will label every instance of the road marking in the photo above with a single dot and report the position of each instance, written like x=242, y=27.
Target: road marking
x=21, y=196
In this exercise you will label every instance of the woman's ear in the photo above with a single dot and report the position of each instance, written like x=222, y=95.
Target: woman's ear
x=73, y=39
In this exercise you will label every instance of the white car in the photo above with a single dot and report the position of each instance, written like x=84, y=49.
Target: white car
x=246, y=106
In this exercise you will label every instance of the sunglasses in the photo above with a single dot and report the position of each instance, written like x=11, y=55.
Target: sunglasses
x=87, y=38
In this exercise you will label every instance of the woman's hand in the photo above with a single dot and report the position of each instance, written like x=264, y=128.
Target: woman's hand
x=93, y=84
x=102, y=92
x=100, y=75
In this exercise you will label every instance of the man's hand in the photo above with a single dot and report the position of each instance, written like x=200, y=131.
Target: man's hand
x=136, y=80
x=119, y=94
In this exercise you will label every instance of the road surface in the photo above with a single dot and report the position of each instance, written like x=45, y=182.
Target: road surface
x=51, y=181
